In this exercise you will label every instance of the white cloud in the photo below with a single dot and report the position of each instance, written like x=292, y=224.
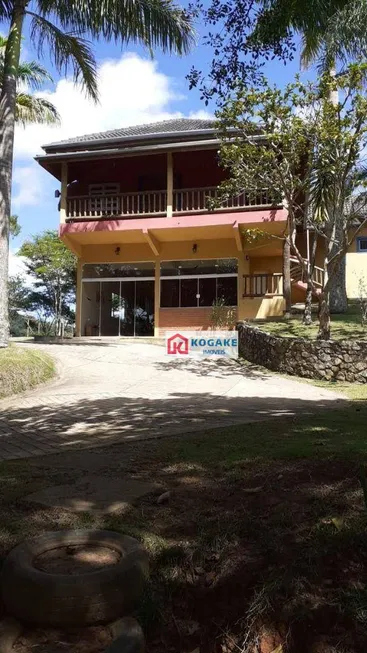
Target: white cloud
x=132, y=91
x=202, y=114
x=28, y=188
x=16, y=264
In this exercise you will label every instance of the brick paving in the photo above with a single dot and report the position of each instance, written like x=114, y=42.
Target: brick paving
x=108, y=393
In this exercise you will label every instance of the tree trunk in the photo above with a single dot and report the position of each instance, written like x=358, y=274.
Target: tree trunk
x=287, y=288
x=307, y=313
x=324, y=317
x=338, y=300
x=7, y=122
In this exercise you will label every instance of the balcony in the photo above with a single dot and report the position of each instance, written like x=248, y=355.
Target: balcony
x=155, y=203
x=262, y=285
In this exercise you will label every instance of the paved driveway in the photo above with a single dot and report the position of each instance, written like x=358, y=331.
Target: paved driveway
x=110, y=393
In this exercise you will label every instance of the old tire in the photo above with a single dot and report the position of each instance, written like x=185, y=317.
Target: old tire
x=100, y=596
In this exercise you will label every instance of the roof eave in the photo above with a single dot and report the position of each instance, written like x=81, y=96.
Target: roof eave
x=94, y=144
x=58, y=157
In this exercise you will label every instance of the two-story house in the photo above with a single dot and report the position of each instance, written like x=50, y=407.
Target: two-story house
x=151, y=256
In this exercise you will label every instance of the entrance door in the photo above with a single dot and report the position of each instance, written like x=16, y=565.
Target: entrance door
x=110, y=301
x=144, y=308
x=127, y=306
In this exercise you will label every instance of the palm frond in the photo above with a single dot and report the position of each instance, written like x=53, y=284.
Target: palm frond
x=67, y=50
x=30, y=109
x=154, y=23
x=33, y=74
x=330, y=29
x=6, y=8
x=346, y=36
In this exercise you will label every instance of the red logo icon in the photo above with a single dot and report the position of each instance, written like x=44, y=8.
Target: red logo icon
x=177, y=344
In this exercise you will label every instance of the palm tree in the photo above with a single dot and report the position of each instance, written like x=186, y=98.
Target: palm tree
x=60, y=28
x=331, y=30
x=31, y=75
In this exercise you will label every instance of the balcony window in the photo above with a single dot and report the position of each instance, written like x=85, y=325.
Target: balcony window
x=118, y=270
x=103, y=198
x=362, y=244
x=227, y=290
x=197, y=267
x=193, y=284
x=207, y=291
x=170, y=293
x=189, y=291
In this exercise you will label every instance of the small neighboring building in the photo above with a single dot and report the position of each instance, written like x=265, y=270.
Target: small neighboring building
x=151, y=256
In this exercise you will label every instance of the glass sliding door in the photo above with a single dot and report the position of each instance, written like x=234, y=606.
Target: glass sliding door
x=110, y=308
x=144, y=308
x=91, y=308
x=118, y=307
x=127, y=304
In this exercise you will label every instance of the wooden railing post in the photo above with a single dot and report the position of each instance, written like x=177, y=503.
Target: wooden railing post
x=64, y=192
x=169, y=185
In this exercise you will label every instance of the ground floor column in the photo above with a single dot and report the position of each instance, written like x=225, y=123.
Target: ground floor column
x=78, y=301
x=157, y=296
x=243, y=268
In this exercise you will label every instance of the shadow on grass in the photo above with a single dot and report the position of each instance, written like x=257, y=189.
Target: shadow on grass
x=262, y=542
x=95, y=422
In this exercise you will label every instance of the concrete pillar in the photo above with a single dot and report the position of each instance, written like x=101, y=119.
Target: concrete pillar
x=78, y=301
x=64, y=191
x=243, y=268
x=169, y=185
x=157, y=296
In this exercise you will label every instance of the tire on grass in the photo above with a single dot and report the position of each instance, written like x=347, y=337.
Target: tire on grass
x=62, y=600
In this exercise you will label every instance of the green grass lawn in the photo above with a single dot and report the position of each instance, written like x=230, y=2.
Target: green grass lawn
x=264, y=535
x=343, y=327
x=22, y=369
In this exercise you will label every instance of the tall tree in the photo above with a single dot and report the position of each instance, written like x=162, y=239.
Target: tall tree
x=19, y=300
x=310, y=148
x=58, y=29
x=332, y=32
x=53, y=268
x=245, y=33
x=31, y=76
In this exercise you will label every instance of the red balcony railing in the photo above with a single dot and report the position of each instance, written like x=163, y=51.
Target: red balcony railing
x=148, y=203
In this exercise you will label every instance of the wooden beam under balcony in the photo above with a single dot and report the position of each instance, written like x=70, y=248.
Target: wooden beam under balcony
x=237, y=236
x=152, y=242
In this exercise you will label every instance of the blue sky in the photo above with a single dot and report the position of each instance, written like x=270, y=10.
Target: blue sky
x=133, y=89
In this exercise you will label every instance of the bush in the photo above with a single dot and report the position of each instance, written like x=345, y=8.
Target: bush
x=22, y=369
x=222, y=316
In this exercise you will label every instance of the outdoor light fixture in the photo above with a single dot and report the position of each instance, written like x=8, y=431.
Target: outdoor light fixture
x=57, y=193
x=194, y=248
x=117, y=251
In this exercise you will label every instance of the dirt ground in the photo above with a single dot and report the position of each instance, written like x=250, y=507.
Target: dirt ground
x=250, y=553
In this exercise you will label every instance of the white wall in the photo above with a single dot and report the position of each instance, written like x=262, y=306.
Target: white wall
x=356, y=269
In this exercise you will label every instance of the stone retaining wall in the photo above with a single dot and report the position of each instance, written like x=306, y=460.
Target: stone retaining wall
x=341, y=360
